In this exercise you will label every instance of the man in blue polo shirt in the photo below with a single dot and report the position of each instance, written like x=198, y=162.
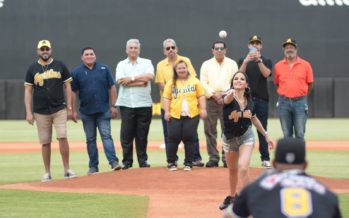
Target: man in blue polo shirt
x=95, y=86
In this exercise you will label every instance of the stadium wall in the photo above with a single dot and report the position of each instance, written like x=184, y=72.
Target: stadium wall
x=318, y=26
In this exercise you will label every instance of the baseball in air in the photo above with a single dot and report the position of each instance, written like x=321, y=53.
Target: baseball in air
x=223, y=34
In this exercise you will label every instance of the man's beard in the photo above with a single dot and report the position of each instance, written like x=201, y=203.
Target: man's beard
x=45, y=57
x=290, y=55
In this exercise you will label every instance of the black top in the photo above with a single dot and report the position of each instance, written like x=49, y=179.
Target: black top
x=257, y=82
x=290, y=193
x=235, y=121
x=47, y=82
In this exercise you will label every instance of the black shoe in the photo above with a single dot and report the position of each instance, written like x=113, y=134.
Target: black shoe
x=198, y=163
x=211, y=164
x=126, y=167
x=227, y=201
x=172, y=166
x=144, y=165
x=225, y=164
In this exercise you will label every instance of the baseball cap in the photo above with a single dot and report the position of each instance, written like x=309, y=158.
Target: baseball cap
x=43, y=43
x=290, y=41
x=255, y=38
x=290, y=151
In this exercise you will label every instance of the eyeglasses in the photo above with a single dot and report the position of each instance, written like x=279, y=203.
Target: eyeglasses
x=219, y=48
x=44, y=49
x=170, y=47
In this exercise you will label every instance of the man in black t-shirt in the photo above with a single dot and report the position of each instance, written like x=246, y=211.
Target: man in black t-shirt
x=44, y=82
x=287, y=191
x=258, y=69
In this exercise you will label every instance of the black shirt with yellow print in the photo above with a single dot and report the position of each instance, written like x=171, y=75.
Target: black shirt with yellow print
x=47, y=82
x=237, y=119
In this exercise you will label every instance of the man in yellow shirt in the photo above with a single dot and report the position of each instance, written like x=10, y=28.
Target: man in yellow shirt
x=164, y=73
x=216, y=75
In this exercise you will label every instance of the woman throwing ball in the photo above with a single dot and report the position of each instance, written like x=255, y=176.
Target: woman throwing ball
x=238, y=137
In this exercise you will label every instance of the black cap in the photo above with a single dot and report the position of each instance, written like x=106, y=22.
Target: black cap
x=255, y=38
x=290, y=151
x=290, y=41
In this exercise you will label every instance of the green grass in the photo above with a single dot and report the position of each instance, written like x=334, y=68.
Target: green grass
x=14, y=203
x=27, y=167
x=317, y=129
x=344, y=204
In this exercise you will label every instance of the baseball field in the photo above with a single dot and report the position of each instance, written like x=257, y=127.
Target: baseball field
x=153, y=192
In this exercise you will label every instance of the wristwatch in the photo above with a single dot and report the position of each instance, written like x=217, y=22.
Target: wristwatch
x=259, y=61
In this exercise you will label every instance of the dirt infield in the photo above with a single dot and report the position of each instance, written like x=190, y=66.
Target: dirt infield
x=179, y=194
x=22, y=147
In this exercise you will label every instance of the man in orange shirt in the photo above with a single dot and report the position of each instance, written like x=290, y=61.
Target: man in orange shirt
x=294, y=79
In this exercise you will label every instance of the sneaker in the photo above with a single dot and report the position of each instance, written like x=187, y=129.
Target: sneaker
x=198, y=163
x=211, y=164
x=172, y=167
x=187, y=168
x=70, y=174
x=227, y=201
x=46, y=177
x=115, y=166
x=266, y=164
x=126, y=167
x=144, y=165
x=92, y=170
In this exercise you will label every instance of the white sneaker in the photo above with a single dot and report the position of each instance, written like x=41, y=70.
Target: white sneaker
x=266, y=164
x=187, y=168
x=70, y=174
x=46, y=177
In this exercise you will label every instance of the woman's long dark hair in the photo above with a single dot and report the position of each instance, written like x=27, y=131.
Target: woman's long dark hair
x=175, y=76
x=247, y=92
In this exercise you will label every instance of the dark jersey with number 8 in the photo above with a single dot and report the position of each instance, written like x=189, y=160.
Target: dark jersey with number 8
x=286, y=194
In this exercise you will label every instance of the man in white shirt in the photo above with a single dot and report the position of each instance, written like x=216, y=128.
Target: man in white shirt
x=134, y=101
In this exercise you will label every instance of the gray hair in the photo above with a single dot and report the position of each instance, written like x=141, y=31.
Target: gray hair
x=169, y=41
x=133, y=41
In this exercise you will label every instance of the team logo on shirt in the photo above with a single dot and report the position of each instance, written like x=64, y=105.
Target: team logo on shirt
x=234, y=115
x=49, y=74
x=184, y=90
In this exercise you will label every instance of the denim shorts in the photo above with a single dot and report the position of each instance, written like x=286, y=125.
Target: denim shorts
x=234, y=144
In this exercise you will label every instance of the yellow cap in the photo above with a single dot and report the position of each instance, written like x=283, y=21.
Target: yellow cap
x=43, y=43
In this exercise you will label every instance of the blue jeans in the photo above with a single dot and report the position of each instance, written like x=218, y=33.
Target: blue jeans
x=261, y=107
x=293, y=115
x=102, y=122
x=197, y=155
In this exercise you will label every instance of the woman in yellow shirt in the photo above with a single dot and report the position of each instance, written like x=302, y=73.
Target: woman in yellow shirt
x=184, y=104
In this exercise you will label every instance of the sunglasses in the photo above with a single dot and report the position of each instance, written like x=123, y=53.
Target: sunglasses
x=170, y=47
x=219, y=49
x=44, y=49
